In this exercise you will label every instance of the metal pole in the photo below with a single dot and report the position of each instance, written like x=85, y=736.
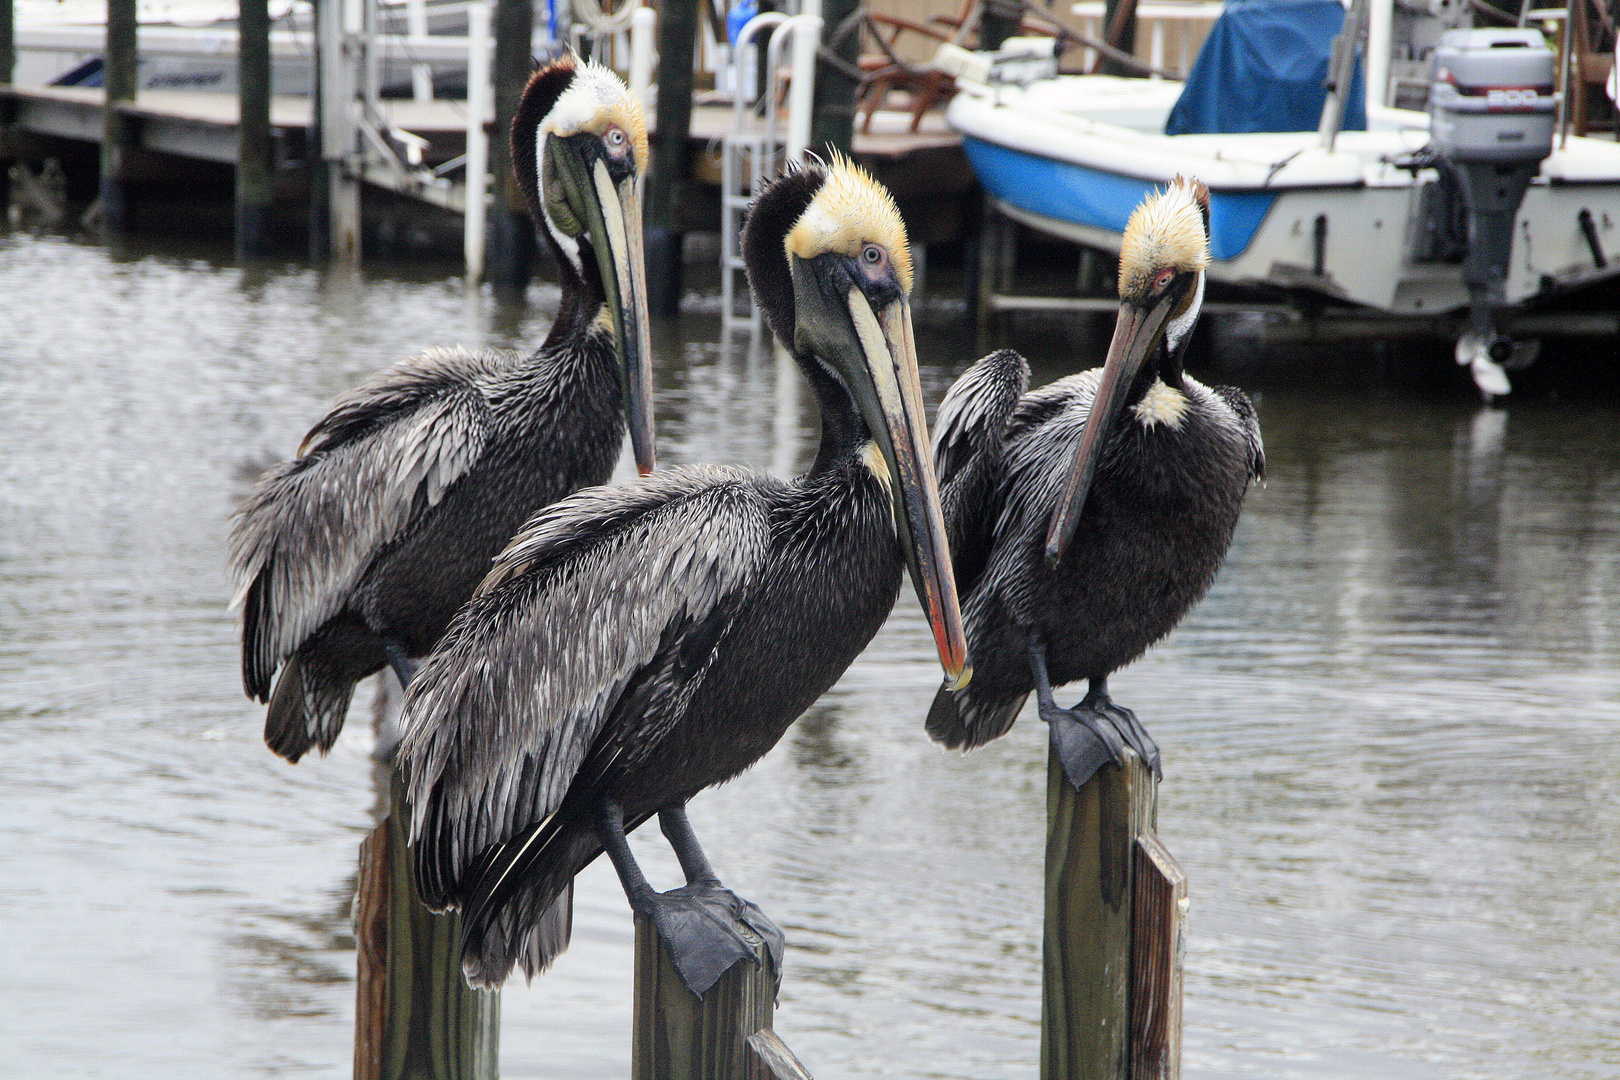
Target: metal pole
x=643, y=28
x=478, y=109
x=801, y=95
x=255, y=148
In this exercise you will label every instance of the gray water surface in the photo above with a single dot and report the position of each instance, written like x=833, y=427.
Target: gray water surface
x=1389, y=733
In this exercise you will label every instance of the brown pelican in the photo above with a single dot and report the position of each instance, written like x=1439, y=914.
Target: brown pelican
x=1087, y=517
x=356, y=553
x=635, y=645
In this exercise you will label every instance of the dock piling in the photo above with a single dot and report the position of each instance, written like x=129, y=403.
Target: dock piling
x=722, y=1036
x=677, y=36
x=118, y=131
x=1115, y=901
x=513, y=244
x=415, y=1015
x=255, y=147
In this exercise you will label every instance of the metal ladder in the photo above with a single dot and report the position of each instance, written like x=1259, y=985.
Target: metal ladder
x=754, y=149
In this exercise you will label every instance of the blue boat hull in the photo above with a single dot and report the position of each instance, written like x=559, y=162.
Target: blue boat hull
x=1082, y=195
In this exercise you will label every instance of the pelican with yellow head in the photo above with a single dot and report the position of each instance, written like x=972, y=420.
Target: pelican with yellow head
x=1088, y=516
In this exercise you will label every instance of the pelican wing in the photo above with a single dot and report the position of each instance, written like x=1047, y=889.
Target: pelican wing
x=1243, y=408
x=973, y=416
x=386, y=452
x=582, y=606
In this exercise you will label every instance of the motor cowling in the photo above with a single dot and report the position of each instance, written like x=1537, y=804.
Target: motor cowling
x=1492, y=109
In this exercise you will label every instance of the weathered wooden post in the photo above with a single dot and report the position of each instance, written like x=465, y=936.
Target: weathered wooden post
x=255, y=149
x=8, y=63
x=415, y=1016
x=724, y=1036
x=118, y=130
x=832, y=123
x=1119, y=30
x=513, y=242
x=337, y=196
x=677, y=35
x=1115, y=908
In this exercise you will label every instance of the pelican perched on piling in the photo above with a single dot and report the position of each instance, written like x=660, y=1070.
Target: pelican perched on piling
x=1087, y=517
x=636, y=645
x=357, y=552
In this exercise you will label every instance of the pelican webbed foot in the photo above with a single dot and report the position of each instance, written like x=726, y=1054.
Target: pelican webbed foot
x=1125, y=722
x=706, y=927
x=1092, y=733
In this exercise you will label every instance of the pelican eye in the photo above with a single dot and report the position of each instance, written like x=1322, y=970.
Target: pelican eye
x=874, y=261
x=1163, y=279
x=617, y=141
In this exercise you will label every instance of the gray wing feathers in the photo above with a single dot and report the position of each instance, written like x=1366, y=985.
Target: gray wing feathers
x=313, y=525
x=973, y=416
x=1037, y=455
x=500, y=718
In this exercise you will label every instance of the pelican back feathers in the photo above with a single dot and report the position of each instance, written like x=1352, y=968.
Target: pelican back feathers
x=501, y=720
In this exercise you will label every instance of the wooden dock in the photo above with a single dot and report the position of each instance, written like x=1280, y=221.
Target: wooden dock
x=181, y=132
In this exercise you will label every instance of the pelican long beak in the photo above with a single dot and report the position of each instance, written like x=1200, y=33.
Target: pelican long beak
x=611, y=215
x=1137, y=333
x=886, y=389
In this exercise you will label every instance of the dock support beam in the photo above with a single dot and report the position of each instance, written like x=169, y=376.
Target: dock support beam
x=338, y=187
x=1115, y=911
x=118, y=131
x=677, y=36
x=512, y=237
x=255, y=149
x=8, y=64
x=724, y=1036
x=415, y=1015
x=832, y=124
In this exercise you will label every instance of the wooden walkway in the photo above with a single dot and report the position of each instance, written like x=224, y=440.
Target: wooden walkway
x=927, y=171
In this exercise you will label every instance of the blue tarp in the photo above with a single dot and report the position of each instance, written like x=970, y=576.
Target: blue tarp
x=1263, y=68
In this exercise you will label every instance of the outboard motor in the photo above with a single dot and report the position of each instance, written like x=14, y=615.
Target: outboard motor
x=1491, y=121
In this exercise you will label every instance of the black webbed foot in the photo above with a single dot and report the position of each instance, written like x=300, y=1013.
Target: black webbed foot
x=1125, y=722
x=707, y=929
x=1084, y=740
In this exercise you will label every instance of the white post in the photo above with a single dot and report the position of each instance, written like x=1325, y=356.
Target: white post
x=1379, y=17
x=338, y=132
x=479, y=92
x=643, y=30
x=416, y=26
x=806, y=39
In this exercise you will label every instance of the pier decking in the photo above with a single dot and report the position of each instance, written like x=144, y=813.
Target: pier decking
x=926, y=170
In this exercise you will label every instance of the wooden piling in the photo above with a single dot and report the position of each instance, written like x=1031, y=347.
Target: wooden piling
x=725, y=1035
x=415, y=1016
x=255, y=148
x=119, y=83
x=1115, y=899
x=8, y=40
x=512, y=238
x=677, y=36
x=832, y=119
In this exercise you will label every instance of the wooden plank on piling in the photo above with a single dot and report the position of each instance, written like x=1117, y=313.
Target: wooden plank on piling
x=1090, y=841
x=416, y=1017
x=1157, y=948
x=676, y=1036
x=770, y=1059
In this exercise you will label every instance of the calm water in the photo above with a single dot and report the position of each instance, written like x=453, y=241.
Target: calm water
x=1391, y=734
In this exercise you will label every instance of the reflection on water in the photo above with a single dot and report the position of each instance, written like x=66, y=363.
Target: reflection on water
x=1388, y=733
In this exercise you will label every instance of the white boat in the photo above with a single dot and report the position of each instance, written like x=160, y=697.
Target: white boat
x=1368, y=217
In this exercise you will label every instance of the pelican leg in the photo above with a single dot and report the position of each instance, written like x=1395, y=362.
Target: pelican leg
x=702, y=924
x=1083, y=739
x=1123, y=719
x=404, y=667
x=699, y=874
